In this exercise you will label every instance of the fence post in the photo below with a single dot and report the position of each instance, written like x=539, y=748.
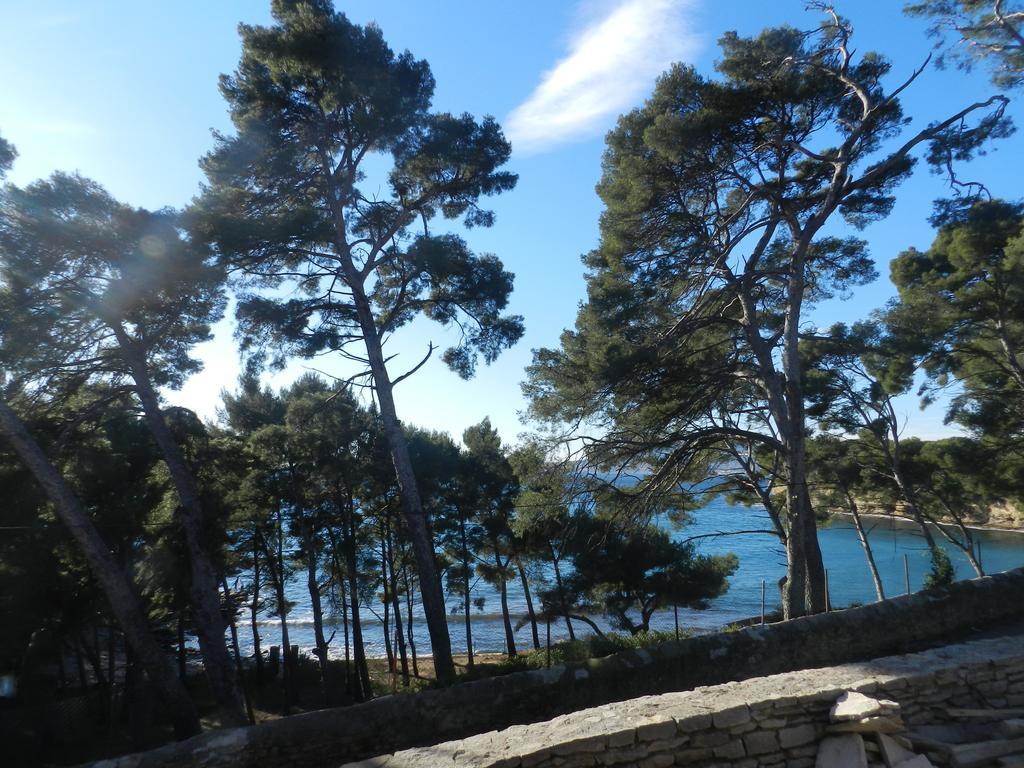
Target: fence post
x=762, y=601
x=906, y=571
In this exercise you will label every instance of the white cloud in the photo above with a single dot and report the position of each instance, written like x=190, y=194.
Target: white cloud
x=611, y=64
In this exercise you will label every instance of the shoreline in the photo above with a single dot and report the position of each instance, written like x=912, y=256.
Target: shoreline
x=910, y=520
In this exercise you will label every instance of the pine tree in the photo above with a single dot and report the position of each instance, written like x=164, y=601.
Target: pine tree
x=314, y=98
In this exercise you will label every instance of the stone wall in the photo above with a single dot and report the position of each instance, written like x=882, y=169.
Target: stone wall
x=332, y=737
x=769, y=722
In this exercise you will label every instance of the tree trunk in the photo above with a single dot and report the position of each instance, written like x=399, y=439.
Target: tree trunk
x=466, y=597
x=277, y=579
x=510, y=638
x=396, y=605
x=412, y=505
x=182, y=657
x=205, y=601
x=92, y=655
x=863, y=536
x=386, y=600
x=804, y=591
x=966, y=545
x=409, y=622
x=80, y=666
x=254, y=607
x=529, y=604
x=561, y=595
x=352, y=566
x=347, y=631
x=805, y=586
x=593, y=624
x=124, y=603
x=339, y=575
x=891, y=447
x=229, y=601
x=313, y=586
x=910, y=497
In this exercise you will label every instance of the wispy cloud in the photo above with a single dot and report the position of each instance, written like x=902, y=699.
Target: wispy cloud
x=611, y=64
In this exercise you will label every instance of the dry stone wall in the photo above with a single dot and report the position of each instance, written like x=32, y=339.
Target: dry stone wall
x=768, y=722
x=333, y=737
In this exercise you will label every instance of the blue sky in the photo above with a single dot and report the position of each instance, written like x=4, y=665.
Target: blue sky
x=126, y=93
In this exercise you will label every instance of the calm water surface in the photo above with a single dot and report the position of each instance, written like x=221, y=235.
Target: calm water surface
x=761, y=559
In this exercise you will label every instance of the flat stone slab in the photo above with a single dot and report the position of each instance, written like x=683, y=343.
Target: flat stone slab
x=846, y=751
x=892, y=751
x=973, y=755
x=853, y=705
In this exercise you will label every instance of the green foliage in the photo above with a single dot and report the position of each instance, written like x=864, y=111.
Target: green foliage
x=841, y=469
x=7, y=155
x=115, y=471
x=716, y=193
x=987, y=31
x=313, y=99
x=941, y=573
x=962, y=301
x=87, y=283
x=627, y=574
x=590, y=647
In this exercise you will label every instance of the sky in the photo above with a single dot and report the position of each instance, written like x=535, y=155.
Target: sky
x=126, y=93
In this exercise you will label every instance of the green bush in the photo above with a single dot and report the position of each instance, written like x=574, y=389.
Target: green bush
x=942, y=572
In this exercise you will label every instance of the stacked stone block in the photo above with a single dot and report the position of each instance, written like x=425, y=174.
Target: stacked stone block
x=768, y=722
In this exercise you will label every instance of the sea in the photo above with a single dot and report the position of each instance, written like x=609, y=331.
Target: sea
x=899, y=550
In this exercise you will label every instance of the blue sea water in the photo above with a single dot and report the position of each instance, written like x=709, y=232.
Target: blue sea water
x=761, y=559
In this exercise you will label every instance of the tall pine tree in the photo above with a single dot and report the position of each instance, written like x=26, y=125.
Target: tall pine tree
x=317, y=102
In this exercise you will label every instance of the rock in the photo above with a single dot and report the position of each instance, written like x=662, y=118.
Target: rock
x=893, y=752
x=856, y=706
x=797, y=735
x=727, y=718
x=846, y=751
x=985, y=714
x=881, y=724
x=761, y=743
x=1012, y=727
x=956, y=733
x=917, y=761
x=972, y=755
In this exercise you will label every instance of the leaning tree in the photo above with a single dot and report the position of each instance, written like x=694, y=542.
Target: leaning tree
x=720, y=198
x=95, y=290
x=122, y=597
x=294, y=204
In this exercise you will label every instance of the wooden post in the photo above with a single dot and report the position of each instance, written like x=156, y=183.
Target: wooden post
x=762, y=601
x=675, y=609
x=549, y=641
x=906, y=571
x=828, y=598
x=980, y=565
